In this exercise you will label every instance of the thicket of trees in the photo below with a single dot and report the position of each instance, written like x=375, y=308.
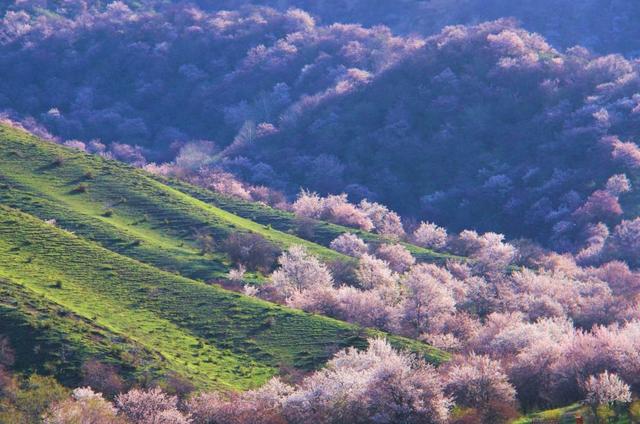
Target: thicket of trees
x=161, y=78
x=482, y=126
x=545, y=333
x=602, y=25
x=485, y=125
x=379, y=384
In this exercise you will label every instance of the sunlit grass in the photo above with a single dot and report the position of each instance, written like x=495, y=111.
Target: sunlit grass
x=122, y=260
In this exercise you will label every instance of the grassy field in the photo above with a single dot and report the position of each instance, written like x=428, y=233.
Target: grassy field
x=136, y=214
x=120, y=276
x=628, y=414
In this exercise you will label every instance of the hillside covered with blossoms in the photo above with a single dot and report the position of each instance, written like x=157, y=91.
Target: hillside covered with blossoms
x=335, y=212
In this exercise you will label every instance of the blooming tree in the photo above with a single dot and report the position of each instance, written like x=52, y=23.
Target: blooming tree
x=350, y=244
x=308, y=205
x=427, y=301
x=373, y=272
x=618, y=184
x=397, y=256
x=338, y=210
x=429, y=235
x=85, y=406
x=479, y=382
x=299, y=271
x=606, y=389
x=150, y=407
x=260, y=406
x=378, y=384
x=384, y=221
x=489, y=250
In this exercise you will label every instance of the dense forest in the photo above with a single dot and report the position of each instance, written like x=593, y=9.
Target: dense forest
x=470, y=127
x=603, y=26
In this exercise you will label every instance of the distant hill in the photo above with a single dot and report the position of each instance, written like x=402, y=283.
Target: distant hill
x=487, y=127
x=601, y=25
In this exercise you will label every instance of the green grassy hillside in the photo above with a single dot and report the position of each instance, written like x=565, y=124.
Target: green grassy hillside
x=120, y=207
x=120, y=278
x=50, y=339
x=322, y=232
x=626, y=414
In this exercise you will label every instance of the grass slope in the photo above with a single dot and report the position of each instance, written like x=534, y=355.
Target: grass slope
x=122, y=208
x=109, y=274
x=323, y=233
x=568, y=415
x=50, y=339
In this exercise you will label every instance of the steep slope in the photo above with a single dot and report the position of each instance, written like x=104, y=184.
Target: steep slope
x=107, y=274
x=214, y=337
x=49, y=338
x=149, y=218
x=485, y=127
x=120, y=207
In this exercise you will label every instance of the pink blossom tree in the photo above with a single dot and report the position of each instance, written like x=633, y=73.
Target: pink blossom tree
x=320, y=300
x=372, y=272
x=384, y=221
x=489, y=251
x=429, y=235
x=378, y=384
x=427, y=301
x=349, y=244
x=259, y=406
x=618, y=184
x=338, y=210
x=150, y=407
x=606, y=389
x=622, y=281
x=308, y=205
x=333, y=208
x=627, y=153
x=479, y=382
x=397, y=256
x=85, y=406
x=369, y=308
x=601, y=205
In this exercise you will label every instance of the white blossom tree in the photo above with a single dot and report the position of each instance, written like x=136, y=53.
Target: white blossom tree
x=299, y=271
x=429, y=235
x=349, y=244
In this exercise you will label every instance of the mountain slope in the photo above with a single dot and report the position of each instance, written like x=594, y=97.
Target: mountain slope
x=107, y=275
x=50, y=339
x=485, y=127
x=146, y=217
x=121, y=207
